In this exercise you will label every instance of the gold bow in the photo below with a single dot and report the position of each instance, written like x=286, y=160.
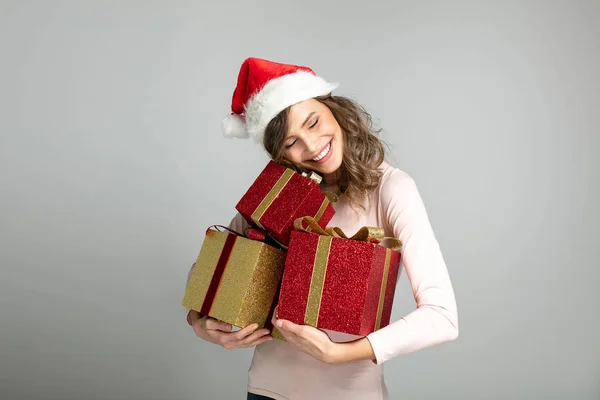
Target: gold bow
x=365, y=234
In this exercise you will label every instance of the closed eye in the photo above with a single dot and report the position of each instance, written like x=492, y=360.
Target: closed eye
x=290, y=145
x=314, y=123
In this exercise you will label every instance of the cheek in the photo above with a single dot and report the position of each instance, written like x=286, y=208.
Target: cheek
x=294, y=156
x=332, y=129
x=337, y=134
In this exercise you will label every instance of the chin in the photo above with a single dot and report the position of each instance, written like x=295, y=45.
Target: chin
x=328, y=168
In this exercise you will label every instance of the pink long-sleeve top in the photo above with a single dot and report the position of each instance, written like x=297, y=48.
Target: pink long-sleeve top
x=283, y=373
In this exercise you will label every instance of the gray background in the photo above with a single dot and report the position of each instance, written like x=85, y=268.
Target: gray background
x=113, y=165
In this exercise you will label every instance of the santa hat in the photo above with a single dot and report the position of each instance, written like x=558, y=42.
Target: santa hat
x=265, y=88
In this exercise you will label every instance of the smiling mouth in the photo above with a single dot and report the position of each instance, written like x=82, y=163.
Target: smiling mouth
x=323, y=153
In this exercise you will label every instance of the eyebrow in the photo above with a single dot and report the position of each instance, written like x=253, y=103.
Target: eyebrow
x=307, y=118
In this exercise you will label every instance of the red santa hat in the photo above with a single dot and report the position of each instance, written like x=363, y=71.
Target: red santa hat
x=265, y=88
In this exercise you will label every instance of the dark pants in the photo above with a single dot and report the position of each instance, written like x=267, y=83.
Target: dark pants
x=252, y=396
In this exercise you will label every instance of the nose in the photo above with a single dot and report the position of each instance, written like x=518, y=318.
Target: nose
x=312, y=144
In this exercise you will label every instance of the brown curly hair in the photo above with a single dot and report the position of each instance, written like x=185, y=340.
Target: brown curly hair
x=363, y=149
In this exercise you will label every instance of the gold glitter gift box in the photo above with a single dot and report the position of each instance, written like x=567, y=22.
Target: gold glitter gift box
x=236, y=280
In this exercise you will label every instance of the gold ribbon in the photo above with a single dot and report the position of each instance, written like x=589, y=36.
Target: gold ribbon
x=266, y=202
x=313, y=176
x=332, y=197
x=317, y=280
x=365, y=234
x=386, y=269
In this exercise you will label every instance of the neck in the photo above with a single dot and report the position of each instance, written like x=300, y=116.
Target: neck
x=331, y=181
x=332, y=178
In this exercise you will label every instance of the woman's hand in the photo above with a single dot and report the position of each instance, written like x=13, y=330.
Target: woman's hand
x=317, y=343
x=308, y=339
x=220, y=333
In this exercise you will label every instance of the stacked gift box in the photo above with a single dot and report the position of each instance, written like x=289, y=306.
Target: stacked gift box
x=289, y=258
x=236, y=279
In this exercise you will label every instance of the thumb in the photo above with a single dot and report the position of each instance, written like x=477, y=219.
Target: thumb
x=274, y=316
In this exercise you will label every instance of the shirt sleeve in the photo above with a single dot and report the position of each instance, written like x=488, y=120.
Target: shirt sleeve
x=435, y=319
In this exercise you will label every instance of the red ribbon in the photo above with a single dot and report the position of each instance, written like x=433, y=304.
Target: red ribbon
x=251, y=233
x=256, y=234
x=218, y=274
x=213, y=287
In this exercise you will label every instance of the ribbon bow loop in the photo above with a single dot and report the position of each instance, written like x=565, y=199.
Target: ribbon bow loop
x=365, y=234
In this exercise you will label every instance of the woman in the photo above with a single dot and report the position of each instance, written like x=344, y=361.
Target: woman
x=302, y=125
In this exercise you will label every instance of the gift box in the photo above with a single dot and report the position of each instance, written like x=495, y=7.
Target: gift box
x=338, y=283
x=236, y=279
x=279, y=196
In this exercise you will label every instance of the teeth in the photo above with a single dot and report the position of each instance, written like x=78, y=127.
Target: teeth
x=323, y=153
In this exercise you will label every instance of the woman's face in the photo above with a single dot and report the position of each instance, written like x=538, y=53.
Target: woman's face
x=314, y=140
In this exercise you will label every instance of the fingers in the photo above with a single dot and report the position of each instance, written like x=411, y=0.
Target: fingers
x=221, y=333
x=242, y=333
x=290, y=327
x=214, y=324
x=259, y=340
x=247, y=338
x=256, y=335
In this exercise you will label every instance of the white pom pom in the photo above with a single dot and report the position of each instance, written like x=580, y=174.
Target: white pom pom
x=234, y=125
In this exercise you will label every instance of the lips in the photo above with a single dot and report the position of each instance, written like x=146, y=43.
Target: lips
x=323, y=153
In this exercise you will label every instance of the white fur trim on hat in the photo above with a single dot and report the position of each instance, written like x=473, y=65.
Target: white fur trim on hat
x=280, y=93
x=234, y=125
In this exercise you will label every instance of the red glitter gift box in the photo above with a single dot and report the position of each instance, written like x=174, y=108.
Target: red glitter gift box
x=279, y=196
x=338, y=283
